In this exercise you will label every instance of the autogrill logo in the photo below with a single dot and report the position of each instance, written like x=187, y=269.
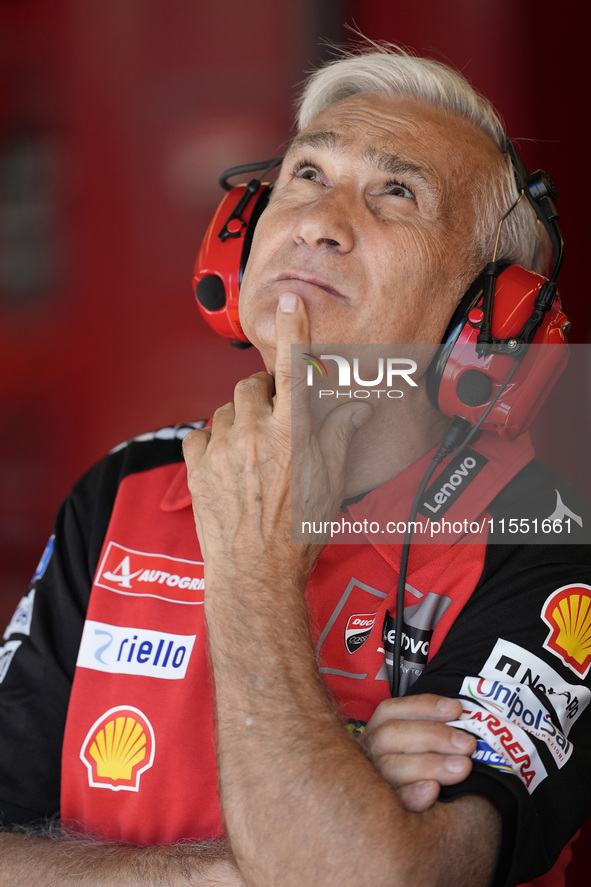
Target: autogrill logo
x=134, y=651
x=148, y=574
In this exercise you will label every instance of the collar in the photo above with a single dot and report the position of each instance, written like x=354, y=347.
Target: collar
x=457, y=496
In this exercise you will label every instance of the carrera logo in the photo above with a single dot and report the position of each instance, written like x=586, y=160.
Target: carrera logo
x=510, y=741
x=118, y=748
x=357, y=630
x=121, y=650
x=142, y=573
x=452, y=482
x=567, y=613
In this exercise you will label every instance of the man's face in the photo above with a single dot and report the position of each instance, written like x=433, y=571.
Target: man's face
x=370, y=221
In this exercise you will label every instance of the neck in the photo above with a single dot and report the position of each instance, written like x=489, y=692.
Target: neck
x=397, y=435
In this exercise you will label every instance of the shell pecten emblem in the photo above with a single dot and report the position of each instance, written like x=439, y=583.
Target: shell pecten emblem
x=118, y=748
x=567, y=613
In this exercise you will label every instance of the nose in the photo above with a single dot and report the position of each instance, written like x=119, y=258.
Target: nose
x=327, y=222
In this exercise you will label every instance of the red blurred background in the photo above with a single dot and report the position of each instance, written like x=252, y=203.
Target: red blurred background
x=115, y=120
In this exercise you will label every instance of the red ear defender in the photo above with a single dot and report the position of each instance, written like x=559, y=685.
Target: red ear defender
x=225, y=249
x=222, y=258
x=462, y=383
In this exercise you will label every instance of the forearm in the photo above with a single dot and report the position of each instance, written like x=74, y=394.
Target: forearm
x=301, y=801
x=55, y=862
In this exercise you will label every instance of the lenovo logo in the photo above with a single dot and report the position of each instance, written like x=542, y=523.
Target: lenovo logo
x=452, y=482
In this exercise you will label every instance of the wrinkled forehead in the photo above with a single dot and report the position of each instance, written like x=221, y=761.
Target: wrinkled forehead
x=375, y=126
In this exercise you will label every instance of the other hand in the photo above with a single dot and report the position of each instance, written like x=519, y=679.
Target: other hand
x=415, y=750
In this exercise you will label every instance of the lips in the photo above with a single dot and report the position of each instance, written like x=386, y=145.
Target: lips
x=303, y=284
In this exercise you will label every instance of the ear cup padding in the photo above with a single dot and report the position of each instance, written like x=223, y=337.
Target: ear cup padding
x=211, y=292
x=474, y=388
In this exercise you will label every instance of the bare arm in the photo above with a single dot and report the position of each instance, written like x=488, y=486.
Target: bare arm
x=55, y=862
x=302, y=803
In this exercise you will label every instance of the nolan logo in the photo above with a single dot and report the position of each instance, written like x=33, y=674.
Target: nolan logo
x=137, y=651
x=146, y=574
x=452, y=482
x=357, y=630
x=118, y=748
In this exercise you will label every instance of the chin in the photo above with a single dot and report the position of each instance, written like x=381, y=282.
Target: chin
x=262, y=336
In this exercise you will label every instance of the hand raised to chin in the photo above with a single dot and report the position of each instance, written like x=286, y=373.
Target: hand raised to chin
x=262, y=464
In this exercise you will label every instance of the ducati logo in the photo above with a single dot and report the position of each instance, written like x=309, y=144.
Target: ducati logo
x=357, y=630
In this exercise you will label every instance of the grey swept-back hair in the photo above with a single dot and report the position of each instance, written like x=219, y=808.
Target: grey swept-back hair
x=387, y=70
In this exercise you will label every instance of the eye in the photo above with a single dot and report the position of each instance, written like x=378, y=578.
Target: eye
x=399, y=189
x=305, y=169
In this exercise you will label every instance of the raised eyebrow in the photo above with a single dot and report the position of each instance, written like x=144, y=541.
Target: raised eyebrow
x=394, y=165
x=323, y=139
x=385, y=161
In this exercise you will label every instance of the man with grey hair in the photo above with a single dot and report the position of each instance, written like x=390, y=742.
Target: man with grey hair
x=385, y=209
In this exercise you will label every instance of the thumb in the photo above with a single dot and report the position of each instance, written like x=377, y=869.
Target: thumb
x=336, y=434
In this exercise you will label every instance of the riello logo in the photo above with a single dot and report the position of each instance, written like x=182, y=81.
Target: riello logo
x=389, y=372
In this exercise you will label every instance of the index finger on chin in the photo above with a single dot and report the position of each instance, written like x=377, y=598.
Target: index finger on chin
x=292, y=329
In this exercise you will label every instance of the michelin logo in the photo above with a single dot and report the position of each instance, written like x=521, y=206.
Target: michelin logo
x=135, y=651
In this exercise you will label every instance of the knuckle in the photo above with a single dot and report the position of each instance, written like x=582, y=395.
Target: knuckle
x=246, y=387
x=251, y=387
x=223, y=410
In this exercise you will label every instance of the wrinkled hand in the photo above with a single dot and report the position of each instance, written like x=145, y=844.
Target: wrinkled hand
x=241, y=474
x=414, y=750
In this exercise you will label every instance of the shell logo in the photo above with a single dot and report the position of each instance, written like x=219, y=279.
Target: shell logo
x=567, y=613
x=118, y=748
